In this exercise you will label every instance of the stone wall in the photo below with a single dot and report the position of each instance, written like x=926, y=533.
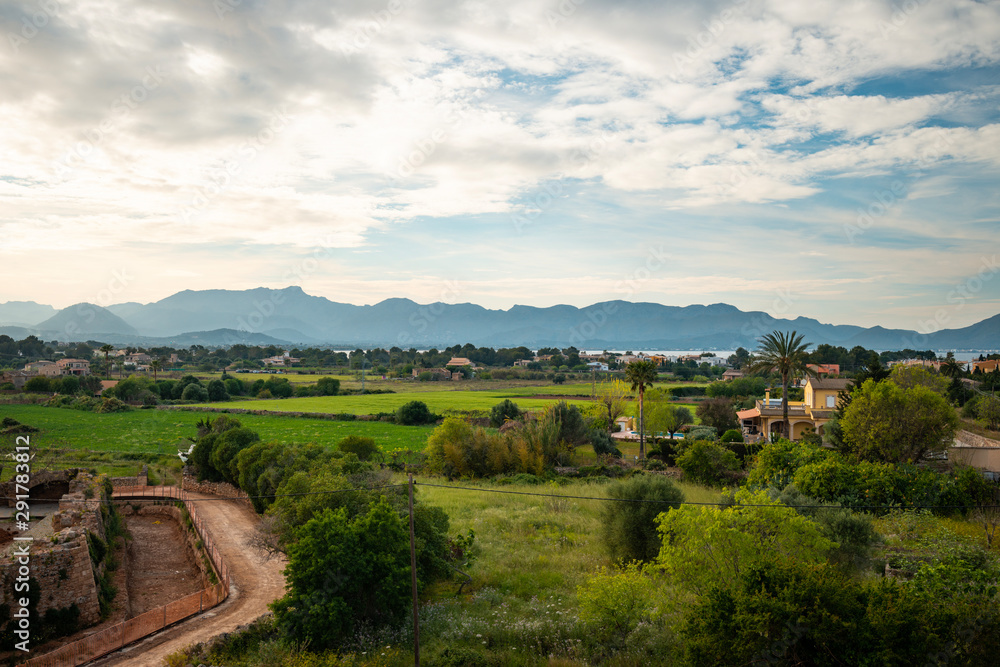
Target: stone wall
x=61, y=562
x=223, y=489
x=131, y=482
x=65, y=576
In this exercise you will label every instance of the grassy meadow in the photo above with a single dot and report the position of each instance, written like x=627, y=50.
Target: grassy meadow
x=119, y=443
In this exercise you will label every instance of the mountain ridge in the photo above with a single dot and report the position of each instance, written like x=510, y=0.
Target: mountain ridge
x=291, y=316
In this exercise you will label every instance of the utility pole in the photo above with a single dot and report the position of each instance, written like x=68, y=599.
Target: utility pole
x=413, y=577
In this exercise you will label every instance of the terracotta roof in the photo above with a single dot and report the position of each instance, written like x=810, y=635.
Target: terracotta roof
x=748, y=414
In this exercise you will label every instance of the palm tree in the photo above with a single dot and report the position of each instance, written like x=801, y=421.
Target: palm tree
x=641, y=374
x=154, y=366
x=785, y=354
x=950, y=367
x=106, y=349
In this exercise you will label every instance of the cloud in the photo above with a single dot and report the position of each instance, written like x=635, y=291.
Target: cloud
x=179, y=128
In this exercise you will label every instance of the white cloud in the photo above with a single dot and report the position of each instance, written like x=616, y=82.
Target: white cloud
x=724, y=110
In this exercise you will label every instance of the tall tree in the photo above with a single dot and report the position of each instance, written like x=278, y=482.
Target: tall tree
x=106, y=349
x=611, y=397
x=155, y=365
x=783, y=353
x=951, y=368
x=641, y=374
x=893, y=424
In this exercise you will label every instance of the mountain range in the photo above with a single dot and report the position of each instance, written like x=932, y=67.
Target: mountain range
x=289, y=316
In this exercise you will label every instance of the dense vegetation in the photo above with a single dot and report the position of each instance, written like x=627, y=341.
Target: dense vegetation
x=780, y=553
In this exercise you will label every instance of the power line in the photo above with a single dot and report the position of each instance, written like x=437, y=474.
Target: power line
x=698, y=504
x=675, y=503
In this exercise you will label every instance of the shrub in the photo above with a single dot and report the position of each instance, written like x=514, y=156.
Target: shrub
x=707, y=463
x=414, y=413
x=701, y=433
x=777, y=462
x=707, y=547
x=854, y=533
x=217, y=391
x=228, y=445
x=38, y=384
x=732, y=435
x=70, y=385
x=630, y=528
x=234, y=387
x=614, y=602
x=343, y=573
x=362, y=447
x=885, y=422
x=326, y=386
x=504, y=411
x=603, y=443
x=194, y=392
x=112, y=405
x=719, y=413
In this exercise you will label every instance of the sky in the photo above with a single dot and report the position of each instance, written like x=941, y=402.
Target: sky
x=830, y=159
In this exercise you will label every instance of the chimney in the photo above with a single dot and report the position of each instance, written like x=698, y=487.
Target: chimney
x=767, y=397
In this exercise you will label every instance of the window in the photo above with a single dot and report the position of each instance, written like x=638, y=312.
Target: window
x=830, y=401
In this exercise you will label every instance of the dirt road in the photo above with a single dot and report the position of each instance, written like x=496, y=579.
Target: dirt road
x=255, y=581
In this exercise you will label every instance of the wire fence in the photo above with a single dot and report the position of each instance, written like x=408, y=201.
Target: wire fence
x=121, y=634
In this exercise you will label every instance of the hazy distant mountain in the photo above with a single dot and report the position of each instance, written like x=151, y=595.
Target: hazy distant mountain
x=291, y=317
x=24, y=313
x=84, y=318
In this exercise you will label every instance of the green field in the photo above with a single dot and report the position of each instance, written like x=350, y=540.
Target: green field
x=442, y=401
x=163, y=432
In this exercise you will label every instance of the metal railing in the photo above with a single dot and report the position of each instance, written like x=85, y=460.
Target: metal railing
x=121, y=634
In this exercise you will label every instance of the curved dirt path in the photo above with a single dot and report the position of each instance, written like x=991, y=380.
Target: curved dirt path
x=254, y=582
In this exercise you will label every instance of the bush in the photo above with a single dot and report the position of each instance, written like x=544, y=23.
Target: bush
x=777, y=462
x=327, y=386
x=343, y=573
x=707, y=547
x=362, y=447
x=603, y=443
x=234, y=387
x=226, y=448
x=217, y=391
x=719, y=413
x=854, y=533
x=38, y=384
x=701, y=433
x=707, y=463
x=732, y=435
x=614, y=602
x=504, y=411
x=112, y=405
x=194, y=392
x=414, y=413
x=630, y=528
x=70, y=385
x=279, y=387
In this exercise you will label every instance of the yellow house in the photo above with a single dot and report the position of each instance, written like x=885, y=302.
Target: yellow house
x=765, y=419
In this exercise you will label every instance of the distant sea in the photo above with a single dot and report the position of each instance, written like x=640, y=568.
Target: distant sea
x=965, y=355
